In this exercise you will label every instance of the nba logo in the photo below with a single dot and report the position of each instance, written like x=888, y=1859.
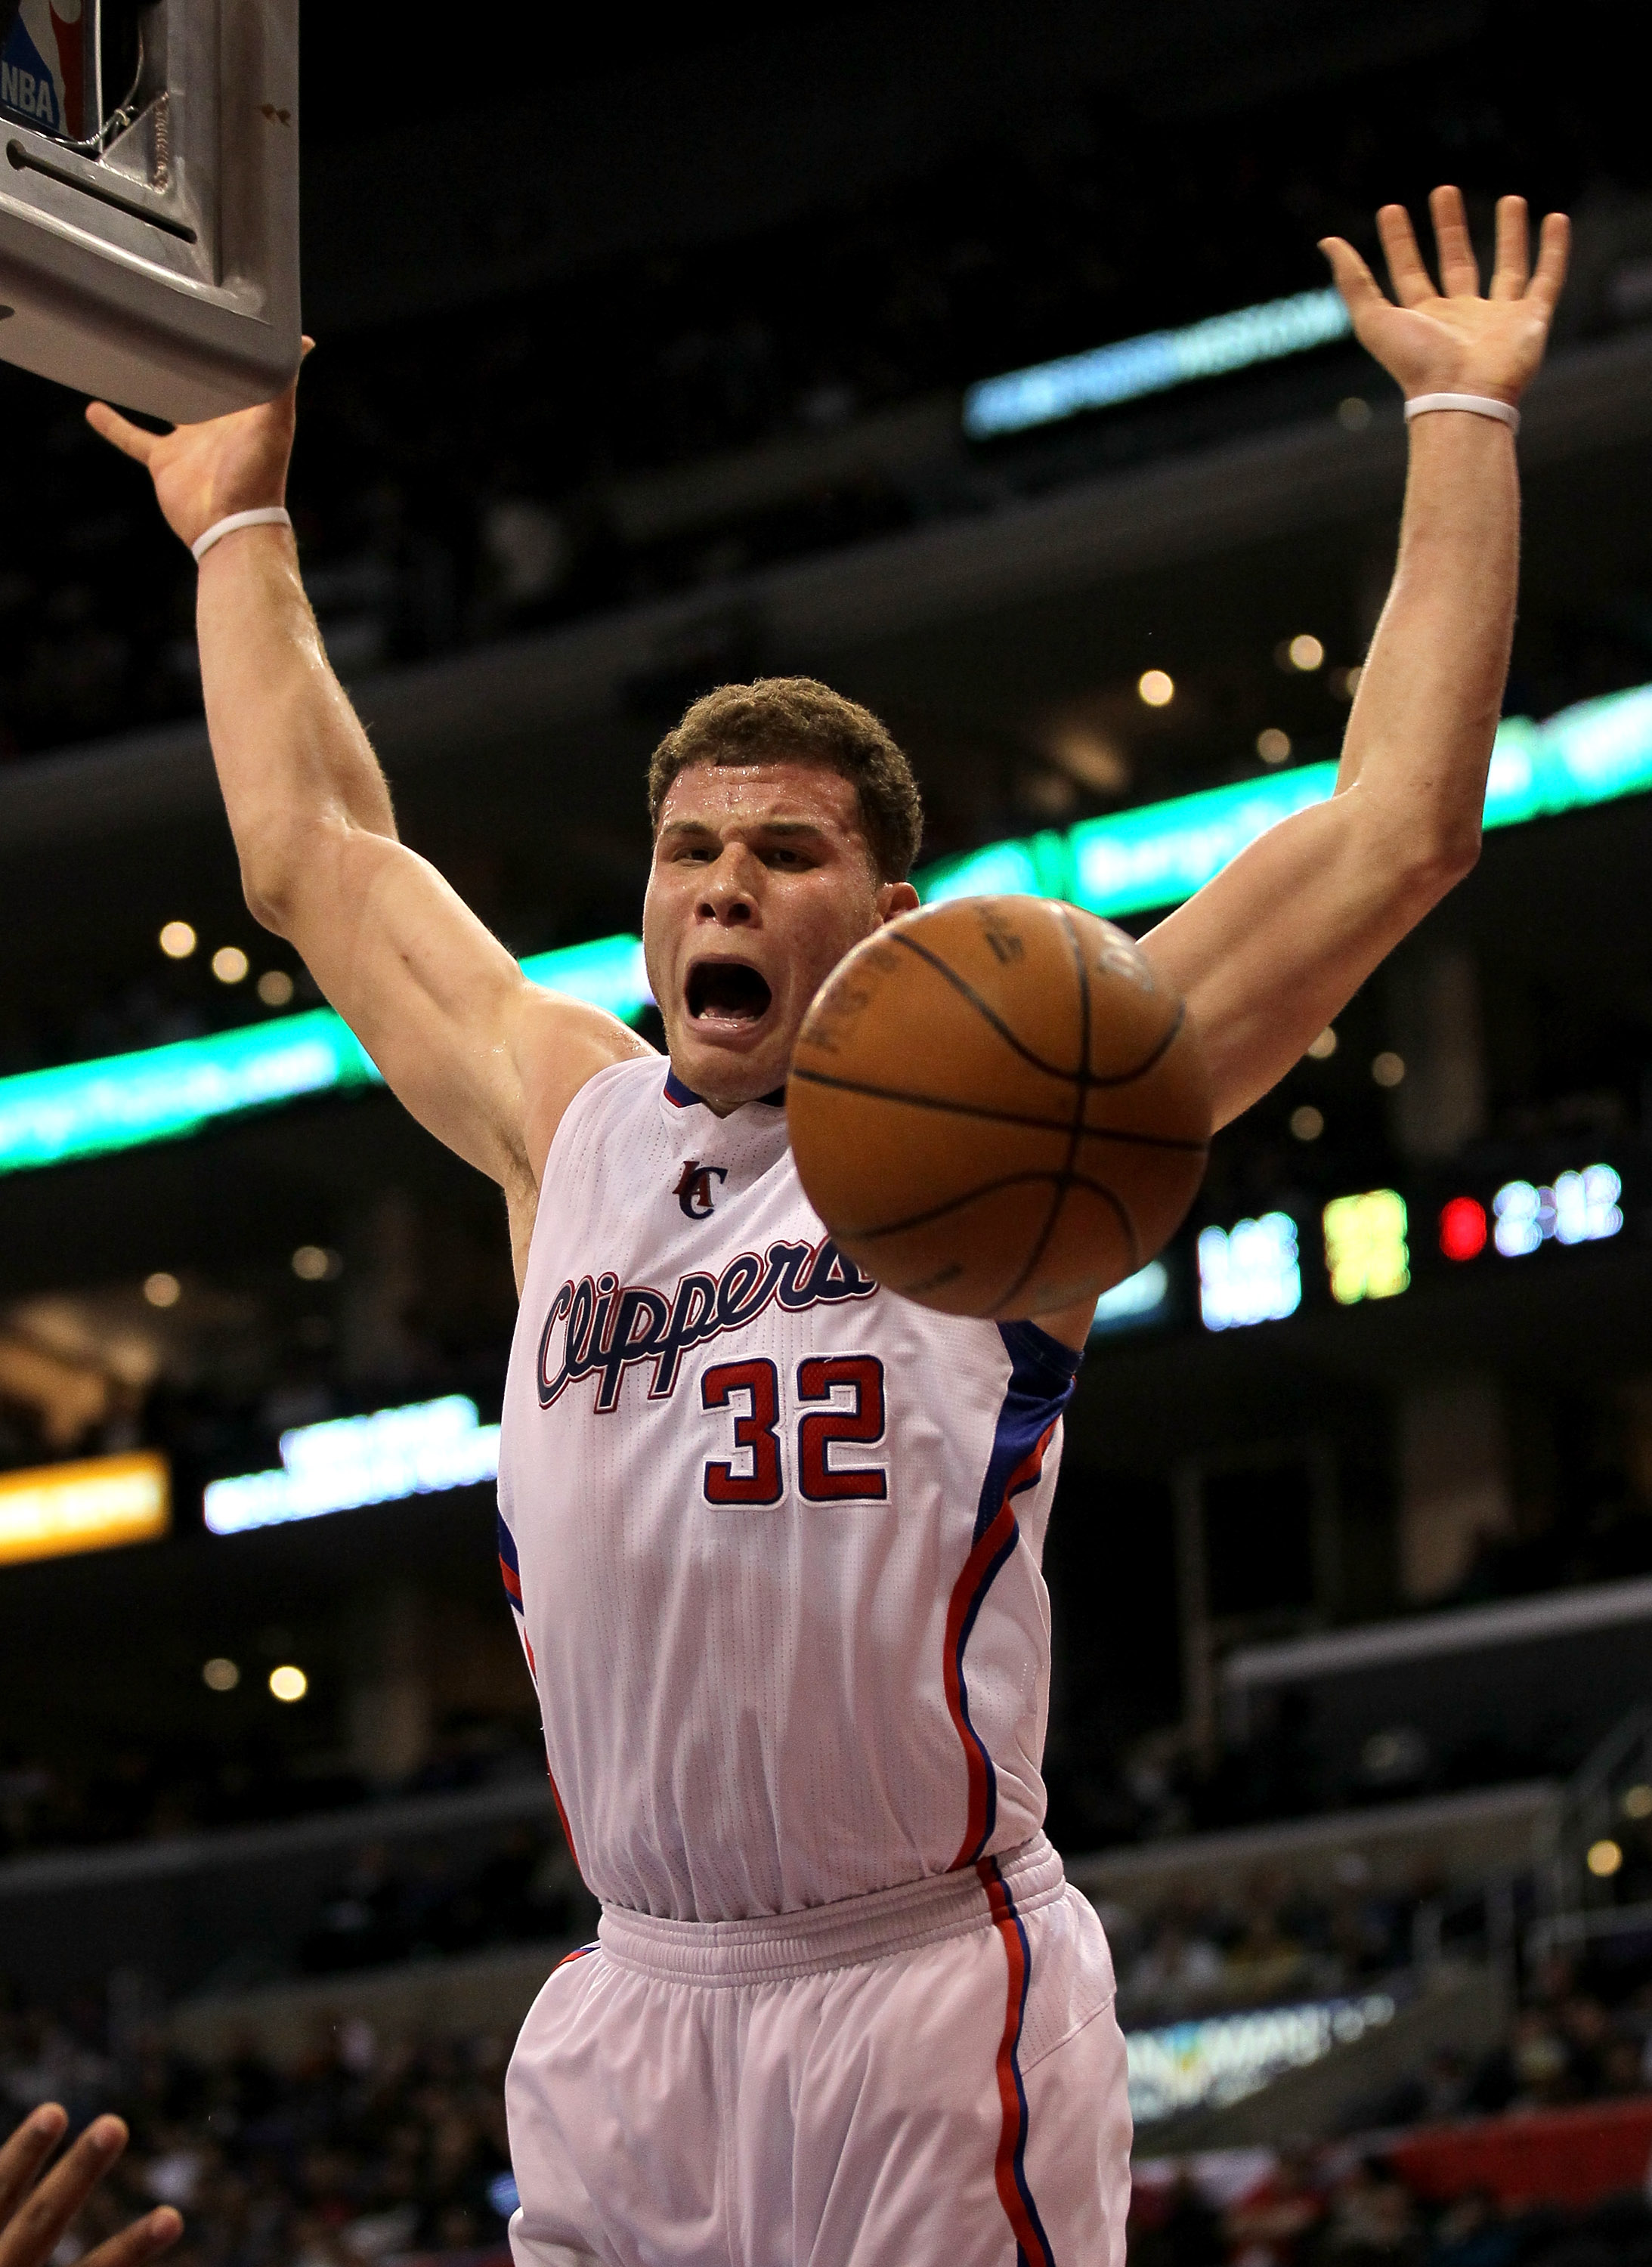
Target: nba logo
x=48, y=62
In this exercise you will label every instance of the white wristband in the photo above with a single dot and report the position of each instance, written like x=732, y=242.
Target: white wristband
x=1478, y=405
x=268, y=515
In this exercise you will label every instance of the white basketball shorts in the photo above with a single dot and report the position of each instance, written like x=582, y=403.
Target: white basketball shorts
x=931, y=2077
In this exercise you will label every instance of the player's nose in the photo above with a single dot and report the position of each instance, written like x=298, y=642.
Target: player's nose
x=728, y=892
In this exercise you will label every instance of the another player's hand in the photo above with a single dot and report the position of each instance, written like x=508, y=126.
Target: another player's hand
x=203, y=472
x=1453, y=341
x=35, y=2212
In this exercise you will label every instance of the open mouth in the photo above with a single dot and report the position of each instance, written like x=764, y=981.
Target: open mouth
x=727, y=990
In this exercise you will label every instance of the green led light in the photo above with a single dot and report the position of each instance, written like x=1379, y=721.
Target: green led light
x=91, y=1109
x=1131, y=862
x=85, y=1110
x=1594, y=753
x=607, y=973
x=1135, y=860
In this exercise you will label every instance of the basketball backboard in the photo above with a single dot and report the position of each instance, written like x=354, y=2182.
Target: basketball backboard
x=149, y=199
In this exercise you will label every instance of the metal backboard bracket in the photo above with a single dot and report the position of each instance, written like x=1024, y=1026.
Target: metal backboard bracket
x=149, y=199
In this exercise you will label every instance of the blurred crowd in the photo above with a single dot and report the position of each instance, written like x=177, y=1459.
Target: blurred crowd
x=1582, y=2037
x=363, y=2151
x=147, y=1793
x=1155, y=1790
x=1353, y=2208
x=368, y=2150
x=1199, y=1953
x=427, y=525
x=385, y=1907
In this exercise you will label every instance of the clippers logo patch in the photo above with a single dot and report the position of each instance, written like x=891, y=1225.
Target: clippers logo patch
x=599, y=1328
x=692, y=1191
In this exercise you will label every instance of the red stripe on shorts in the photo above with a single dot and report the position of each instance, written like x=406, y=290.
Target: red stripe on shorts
x=1032, y=2248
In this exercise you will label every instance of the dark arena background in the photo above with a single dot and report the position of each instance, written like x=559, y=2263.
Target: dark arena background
x=651, y=353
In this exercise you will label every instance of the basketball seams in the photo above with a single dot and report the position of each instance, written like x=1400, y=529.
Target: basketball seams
x=1166, y=1041
x=1084, y=1075
x=1033, y=1173
x=997, y=1117
x=1012, y=1198
x=1081, y=1098
x=989, y=1013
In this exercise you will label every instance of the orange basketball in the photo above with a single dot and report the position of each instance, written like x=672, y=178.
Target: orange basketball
x=997, y=1108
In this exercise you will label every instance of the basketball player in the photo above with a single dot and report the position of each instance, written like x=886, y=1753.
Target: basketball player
x=773, y=1534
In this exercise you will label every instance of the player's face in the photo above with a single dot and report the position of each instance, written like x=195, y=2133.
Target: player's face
x=761, y=882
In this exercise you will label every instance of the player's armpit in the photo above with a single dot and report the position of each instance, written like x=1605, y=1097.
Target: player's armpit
x=1271, y=950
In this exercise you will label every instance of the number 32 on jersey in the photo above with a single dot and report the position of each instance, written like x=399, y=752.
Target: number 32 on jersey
x=840, y=1403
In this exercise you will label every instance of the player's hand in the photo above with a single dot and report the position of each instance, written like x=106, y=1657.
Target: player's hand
x=203, y=472
x=1453, y=341
x=35, y=2212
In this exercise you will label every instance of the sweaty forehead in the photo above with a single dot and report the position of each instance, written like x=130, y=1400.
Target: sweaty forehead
x=721, y=796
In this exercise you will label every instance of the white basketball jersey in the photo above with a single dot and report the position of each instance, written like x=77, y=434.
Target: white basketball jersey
x=773, y=1533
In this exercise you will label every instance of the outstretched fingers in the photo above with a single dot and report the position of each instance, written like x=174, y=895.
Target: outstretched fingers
x=1554, y=244
x=1512, y=264
x=1459, y=270
x=1410, y=278
x=25, y=2151
x=31, y=2234
x=131, y=440
x=145, y=2239
x=1360, y=289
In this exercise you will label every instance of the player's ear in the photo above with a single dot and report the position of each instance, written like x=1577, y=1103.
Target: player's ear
x=894, y=899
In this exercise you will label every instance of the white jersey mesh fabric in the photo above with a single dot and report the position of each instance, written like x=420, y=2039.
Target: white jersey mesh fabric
x=773, y=1534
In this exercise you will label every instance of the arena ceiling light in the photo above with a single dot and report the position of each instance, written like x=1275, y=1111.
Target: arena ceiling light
x=1130, y=862
x=1152, y=364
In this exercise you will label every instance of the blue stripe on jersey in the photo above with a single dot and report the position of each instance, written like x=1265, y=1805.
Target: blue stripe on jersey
x=510, y=1567
x=1042, y=1372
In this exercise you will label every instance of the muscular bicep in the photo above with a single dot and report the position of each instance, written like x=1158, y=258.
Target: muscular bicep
x=484, y=1060
x=1267, y=953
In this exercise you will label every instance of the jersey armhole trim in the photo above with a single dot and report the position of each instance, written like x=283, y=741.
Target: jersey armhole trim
x=1028, y=1341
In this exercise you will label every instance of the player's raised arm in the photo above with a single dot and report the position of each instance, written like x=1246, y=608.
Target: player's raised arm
x=485, y=1059
x=1271, y=950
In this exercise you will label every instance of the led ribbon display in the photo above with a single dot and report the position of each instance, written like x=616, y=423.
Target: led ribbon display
x=1130, y=862
x=1152, y=364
